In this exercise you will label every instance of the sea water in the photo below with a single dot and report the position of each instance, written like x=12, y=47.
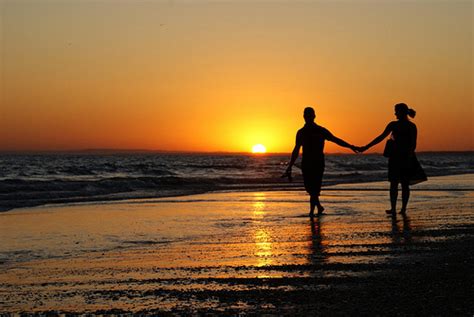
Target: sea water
x=36, y=179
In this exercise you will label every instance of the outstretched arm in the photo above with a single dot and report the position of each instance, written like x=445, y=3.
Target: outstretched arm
x=340, y=142
x=379, y=139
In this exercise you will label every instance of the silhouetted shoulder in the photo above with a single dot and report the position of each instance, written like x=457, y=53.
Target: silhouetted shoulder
x=325, y=132
x=403, y=125
x=313, y=130
x=299, y=134
x=391, y=125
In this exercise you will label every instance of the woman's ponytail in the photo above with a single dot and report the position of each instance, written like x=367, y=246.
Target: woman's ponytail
x=411, y=113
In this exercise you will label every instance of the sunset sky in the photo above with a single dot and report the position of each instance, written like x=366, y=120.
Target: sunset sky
x=225, y=75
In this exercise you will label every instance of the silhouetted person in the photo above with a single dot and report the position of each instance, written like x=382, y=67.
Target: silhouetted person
x=403, y=166
x=311, y=137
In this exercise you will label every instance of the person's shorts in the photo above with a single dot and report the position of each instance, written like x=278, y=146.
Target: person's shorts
x=313, y=178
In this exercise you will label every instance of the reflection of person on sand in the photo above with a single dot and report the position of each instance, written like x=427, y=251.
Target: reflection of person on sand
x=403, y=166
x=406, y=231
x=318, y=254
x=311, y=137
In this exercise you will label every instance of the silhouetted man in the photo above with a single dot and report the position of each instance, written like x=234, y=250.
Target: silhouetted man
x=311, y=137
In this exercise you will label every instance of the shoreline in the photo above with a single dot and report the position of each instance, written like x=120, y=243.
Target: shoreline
x=124, y=197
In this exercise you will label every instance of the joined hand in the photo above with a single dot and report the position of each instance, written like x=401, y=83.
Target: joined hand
x=359, y=149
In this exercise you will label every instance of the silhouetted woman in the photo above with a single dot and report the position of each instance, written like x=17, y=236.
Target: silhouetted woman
x=403, y=167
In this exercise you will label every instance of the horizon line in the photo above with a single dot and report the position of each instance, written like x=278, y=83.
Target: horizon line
x=117, y=151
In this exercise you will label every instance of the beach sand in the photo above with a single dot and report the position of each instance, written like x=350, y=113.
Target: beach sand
x=246, y=253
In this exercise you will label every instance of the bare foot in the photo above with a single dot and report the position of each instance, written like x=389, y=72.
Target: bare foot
x=403, y=211
x=320, y=210
x=390, y=211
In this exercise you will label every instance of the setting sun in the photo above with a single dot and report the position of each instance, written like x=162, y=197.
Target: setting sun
x=259, y=148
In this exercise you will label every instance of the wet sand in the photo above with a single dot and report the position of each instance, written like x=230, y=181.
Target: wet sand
x=247, y=252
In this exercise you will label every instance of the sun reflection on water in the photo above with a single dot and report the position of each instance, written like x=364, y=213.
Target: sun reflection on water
x=263, y=239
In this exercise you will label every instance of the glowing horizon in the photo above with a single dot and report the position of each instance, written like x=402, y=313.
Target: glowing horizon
x=223, y=76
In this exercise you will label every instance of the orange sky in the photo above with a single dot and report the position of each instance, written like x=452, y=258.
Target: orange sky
x=225, y=75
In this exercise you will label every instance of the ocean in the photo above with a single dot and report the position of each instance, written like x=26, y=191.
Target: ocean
x=37, y=179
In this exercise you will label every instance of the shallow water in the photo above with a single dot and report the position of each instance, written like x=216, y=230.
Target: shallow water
x=168, y=253
x=32, y=180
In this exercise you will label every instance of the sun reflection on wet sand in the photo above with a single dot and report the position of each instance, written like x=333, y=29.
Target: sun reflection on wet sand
x=156, y=254
x=262, y=236
x=258, y=209
x=263, y=247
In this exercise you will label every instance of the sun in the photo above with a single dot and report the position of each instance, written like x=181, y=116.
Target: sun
x=259, y=148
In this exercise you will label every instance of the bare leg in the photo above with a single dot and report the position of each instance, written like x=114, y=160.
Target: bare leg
x=320, y=208
x=393, y=197
x=314, y=202
x=405, y=196
x=312, y=205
